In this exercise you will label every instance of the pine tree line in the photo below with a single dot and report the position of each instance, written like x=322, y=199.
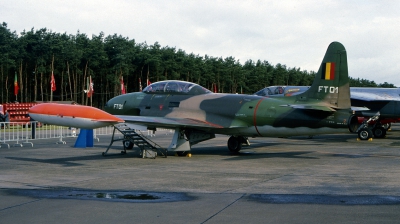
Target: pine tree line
x=32, y=56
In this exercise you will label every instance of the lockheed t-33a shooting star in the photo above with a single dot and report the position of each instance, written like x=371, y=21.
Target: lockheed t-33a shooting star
x=196, y=114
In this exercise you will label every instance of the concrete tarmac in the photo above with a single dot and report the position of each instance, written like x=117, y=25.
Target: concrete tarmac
x=326, y=179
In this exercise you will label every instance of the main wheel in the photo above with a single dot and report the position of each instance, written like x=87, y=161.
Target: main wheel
x=128, y=144
x=379, y=132
x=234, y=144
x=181, y=153
x=364, y=134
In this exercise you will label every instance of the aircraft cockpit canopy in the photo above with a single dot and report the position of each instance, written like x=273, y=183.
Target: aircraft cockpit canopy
x=176, y=87
x=281, y=90
x=272, y=90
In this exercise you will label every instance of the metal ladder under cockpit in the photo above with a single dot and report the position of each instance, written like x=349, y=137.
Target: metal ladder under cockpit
x=147, y=147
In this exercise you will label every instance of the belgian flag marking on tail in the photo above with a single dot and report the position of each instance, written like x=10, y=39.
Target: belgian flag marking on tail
x=328, y=71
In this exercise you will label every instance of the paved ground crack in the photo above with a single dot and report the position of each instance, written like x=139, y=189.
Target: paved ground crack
x=223, y=208
x=3, y=209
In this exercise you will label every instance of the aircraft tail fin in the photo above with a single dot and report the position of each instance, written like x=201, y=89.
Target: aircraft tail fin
x=331, y=82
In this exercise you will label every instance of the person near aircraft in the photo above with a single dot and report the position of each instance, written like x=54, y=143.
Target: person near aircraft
x=5, y=117
x=2, y=119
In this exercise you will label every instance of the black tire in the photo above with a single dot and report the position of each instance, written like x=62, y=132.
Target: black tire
x=181, y=153
x=234, y=144
x=128, y=144
x=379, y=132
x=364, y=134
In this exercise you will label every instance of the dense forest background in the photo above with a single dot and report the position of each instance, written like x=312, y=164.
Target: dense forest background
x=33, y=55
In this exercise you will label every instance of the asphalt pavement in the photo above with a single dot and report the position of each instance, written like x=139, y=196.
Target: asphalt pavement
x=325, y=179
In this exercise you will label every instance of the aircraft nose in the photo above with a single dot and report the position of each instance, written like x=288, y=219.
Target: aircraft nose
x=108, y=107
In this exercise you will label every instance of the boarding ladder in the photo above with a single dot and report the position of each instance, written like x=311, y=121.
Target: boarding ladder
x=148, y=148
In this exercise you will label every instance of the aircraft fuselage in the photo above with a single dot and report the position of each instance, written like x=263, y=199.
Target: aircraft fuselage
x=234, y=114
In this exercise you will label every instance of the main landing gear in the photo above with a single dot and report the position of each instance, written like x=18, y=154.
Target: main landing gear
x=377, y=130
x=235, y=143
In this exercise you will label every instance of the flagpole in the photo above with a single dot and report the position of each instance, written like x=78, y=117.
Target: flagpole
x=51, y=86
x=91, y=94
x=16, y=87
x=147, y=78
x=52, y=78
x=88, y=89
x=51, y=94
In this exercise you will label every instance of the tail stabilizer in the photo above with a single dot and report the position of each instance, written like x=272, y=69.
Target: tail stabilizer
x=331, y=82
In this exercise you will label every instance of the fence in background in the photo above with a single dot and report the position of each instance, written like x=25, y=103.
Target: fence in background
x=25, y=133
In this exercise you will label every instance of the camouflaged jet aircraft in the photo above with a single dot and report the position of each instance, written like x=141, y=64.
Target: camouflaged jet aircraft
x=197, y=114
x=381, y=104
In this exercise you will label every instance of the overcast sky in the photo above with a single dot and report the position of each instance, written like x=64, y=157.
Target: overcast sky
x=293, y=33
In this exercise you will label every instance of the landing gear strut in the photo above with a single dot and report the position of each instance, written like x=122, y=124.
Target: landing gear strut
x=377, y=130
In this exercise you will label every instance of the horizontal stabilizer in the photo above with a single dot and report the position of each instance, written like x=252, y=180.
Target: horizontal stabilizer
x=359, y=108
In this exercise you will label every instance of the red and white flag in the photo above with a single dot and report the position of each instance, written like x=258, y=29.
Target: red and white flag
x=53, y=82
x=215, y=88
x=91, y=89
x=122, y=85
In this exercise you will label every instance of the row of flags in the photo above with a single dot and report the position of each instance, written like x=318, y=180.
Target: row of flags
x=52, y=84
x=90, y=87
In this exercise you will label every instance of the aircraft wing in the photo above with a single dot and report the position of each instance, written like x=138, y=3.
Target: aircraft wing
x=310, y=107
x=166, y=122
x=373, y=96
x=324, y=108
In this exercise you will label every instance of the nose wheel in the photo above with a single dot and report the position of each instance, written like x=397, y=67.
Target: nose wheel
x=128, y=144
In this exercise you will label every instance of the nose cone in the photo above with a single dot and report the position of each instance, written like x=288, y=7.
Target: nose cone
x=108, y=107
x=126, y=104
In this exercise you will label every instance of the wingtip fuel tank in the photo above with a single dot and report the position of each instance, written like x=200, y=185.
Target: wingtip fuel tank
x=78, y=116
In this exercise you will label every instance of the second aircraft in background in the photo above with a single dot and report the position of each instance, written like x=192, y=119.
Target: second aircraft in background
x=379, y=106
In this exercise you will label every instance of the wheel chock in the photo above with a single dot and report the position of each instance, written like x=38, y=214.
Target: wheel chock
x=370, y=139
